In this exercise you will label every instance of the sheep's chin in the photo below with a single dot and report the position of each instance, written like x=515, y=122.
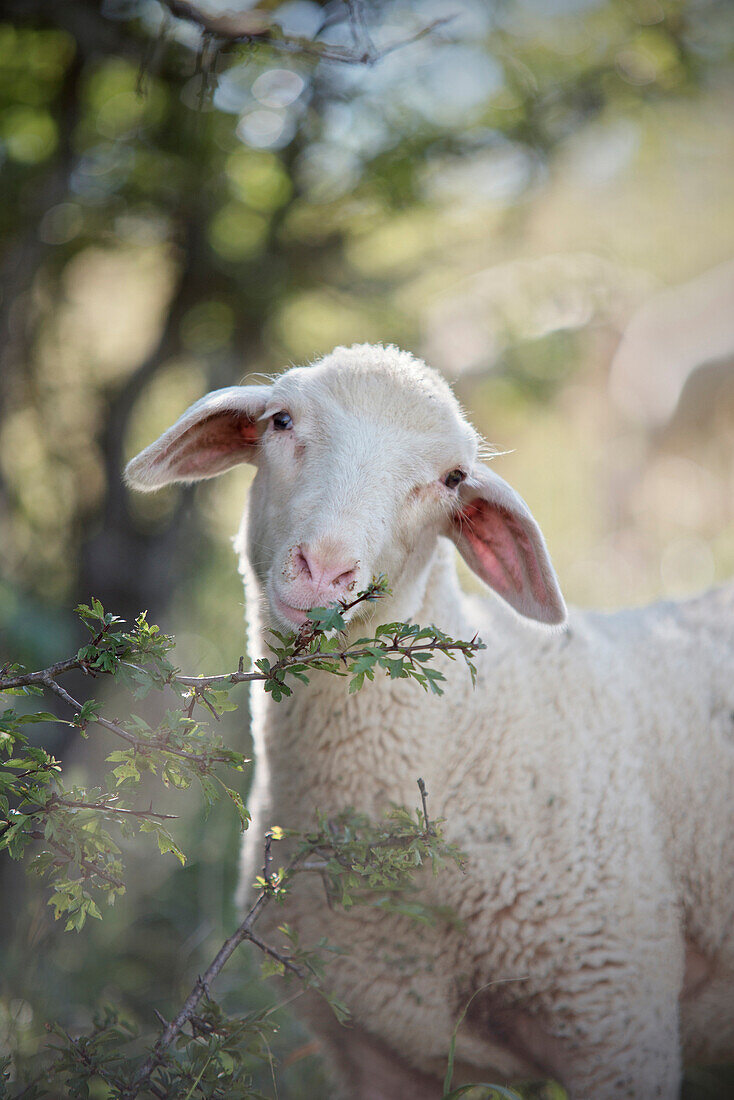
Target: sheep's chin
x=284, y=613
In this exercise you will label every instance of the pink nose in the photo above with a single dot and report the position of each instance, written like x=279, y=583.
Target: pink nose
x=324, y=570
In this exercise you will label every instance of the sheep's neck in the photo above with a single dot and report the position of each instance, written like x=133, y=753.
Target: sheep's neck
x=363, y=750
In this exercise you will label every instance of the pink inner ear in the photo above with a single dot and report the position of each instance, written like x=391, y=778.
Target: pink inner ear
x=210, y=446
x=503, y=549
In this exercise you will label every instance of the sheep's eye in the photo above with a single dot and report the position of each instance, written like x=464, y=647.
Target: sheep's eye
x=454, y=479
x=282, y=422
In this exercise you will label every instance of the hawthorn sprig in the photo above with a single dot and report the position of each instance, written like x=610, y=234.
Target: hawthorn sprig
x=70, y=831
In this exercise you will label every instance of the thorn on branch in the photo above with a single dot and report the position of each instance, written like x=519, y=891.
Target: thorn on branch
x=106, y=806
x=285, y=960
x=428, y=828
x=268, y=857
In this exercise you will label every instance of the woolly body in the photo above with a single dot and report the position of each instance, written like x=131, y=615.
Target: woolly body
x=588, y=777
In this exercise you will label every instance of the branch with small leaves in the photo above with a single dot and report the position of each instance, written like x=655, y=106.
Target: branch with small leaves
x=401, y=650
x=360, y=862
x=380, y=859
x=72, y=826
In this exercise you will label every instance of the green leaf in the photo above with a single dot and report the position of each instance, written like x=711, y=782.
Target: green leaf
x=356, y=683
x=327, y=618
x=270, y=966
x=236, y=798
x=166, y=843
x=126, y=771
x=338, y=1007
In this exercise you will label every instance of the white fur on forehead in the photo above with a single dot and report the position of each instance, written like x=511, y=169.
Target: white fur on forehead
x=388, y=384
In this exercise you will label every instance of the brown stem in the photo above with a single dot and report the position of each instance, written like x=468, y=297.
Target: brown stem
x=136, y=742
x=299, y=863
x=201, y=986
x=239, y=677
x=428, y=828
x=104, y=806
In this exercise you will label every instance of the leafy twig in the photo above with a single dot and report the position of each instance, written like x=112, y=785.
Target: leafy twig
x=87, y=865
x=138, y=742
x=205, y=980
x=107, y=808
x=348, y=854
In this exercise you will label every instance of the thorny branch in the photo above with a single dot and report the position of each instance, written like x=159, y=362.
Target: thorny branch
x=393, y=649
x=347, y=854
x=87, y=865
x=203, y=982
x=424, y=801
x=398, y=645
x=201, y=988
x=396, y=648
x=108, y=808
x=113, y=727
x=322, y=644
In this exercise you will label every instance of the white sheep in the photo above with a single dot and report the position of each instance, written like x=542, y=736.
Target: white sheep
x=589, y=778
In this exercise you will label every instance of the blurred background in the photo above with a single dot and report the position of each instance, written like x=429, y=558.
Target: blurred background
x=536, y=196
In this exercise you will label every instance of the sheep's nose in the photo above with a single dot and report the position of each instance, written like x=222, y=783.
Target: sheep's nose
x=325, y=569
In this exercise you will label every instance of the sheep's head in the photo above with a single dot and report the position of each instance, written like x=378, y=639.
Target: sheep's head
x=363, y=460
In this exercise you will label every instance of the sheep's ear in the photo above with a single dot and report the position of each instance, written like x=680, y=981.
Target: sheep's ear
x=498, y=538
x=218, y=432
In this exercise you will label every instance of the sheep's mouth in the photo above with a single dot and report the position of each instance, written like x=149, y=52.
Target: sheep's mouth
x=294, y=616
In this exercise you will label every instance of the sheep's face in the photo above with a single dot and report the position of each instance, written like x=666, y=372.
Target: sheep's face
x=359, y=469
x=363, y=460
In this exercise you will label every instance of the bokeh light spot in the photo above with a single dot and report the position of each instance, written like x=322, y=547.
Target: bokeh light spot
x=207, y=327
x=29, y=134
x=278, y=87
x=237, y=233
x=258, y=179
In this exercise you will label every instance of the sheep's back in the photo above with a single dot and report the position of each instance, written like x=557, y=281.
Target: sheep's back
x=674, y=666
